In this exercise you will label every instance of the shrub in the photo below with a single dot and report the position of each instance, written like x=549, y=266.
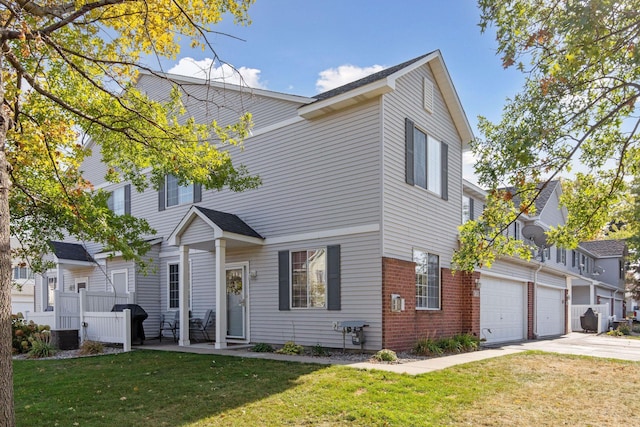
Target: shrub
x=615, y=333
x=41, y=345
x=290, y=348
x=636, y=329
x=449, y=345
x=427, y=347
x=262, y=348
x=385, y=355
x=625, y=329
x=23, y=333
x=468, y=342
x=91, y=347
x=319, y=351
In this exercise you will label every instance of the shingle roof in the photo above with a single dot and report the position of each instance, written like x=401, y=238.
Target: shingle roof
x=368, y=79
x=229, y=222
x=70, y=251
x=543, y=197
x=605, y=248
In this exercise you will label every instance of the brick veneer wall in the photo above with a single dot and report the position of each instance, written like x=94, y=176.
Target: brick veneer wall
x=459, y=313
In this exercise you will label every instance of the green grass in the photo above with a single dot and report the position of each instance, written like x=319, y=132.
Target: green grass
x=152, y=388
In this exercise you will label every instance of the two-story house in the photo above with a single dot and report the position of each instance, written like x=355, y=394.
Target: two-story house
x=356, y=218
x=533, y=299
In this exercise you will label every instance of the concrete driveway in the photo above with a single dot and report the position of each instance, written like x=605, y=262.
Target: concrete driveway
x=573, y=343
x=586, y=345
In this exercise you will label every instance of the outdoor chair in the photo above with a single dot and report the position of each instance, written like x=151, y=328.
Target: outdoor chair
x=170, y=322
x=201, y=325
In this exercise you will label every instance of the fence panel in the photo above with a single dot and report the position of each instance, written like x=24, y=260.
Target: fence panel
x=109, y=327
x=579, y=310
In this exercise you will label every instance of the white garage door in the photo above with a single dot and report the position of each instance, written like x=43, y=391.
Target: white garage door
x=550, y=311
x=502, y=310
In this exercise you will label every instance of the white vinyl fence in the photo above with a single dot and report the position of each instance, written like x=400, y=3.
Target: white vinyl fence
x=601, y=310
x=90, y=313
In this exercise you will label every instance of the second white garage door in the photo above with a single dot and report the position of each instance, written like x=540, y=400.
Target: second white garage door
x=502, y=309
x=550, y=311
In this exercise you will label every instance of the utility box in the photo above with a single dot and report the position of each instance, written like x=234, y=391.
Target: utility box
x=355, y=328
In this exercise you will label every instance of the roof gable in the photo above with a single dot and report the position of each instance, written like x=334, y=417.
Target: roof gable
x=605, y=248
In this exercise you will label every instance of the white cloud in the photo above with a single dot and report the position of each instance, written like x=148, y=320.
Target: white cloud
x=207, y=69
x=334, y=77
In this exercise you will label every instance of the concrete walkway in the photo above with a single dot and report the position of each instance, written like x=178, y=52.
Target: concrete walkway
x=574, y=343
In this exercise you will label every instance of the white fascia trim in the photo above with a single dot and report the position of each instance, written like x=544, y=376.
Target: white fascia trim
x=106, y=255
x=275, y=126
x=323, y=234
x=376, y=88
x=488, y=273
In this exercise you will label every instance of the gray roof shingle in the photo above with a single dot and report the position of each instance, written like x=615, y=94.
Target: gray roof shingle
x=229, y=222
x=605, y=248
x=70, y=251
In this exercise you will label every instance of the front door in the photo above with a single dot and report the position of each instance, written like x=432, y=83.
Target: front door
x=236, y=300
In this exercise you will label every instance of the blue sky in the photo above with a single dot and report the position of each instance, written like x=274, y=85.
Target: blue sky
x=293, y=45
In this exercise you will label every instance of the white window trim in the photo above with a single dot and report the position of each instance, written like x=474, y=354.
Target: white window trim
x=126, y=275
x=428, y=138
x=80, y=280
x=168, y=291
x=439, y=284
x=326, y=285
x=166, y=194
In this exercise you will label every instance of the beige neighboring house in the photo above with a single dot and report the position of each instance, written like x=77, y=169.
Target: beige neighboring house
x=22, y=294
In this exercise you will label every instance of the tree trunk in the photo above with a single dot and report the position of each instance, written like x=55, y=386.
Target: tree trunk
x=7, y=414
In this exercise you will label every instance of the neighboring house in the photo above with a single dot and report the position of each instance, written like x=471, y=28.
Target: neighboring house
x=22, y=284
x=525, y=300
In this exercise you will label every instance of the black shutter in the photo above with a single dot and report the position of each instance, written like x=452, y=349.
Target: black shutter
x=197, y=193
x=283, y=280
x=444, y=164
x=471, y=208
x=161, y=203
x=333, y=277
x=408, y=150
x=127, y=199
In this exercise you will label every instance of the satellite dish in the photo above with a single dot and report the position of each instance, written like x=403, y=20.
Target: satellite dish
x=536, y=234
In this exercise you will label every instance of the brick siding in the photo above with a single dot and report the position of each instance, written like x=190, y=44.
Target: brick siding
x=459, y=313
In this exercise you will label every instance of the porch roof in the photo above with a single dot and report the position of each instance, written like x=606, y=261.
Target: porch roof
x=222, y=225
x=70, y=251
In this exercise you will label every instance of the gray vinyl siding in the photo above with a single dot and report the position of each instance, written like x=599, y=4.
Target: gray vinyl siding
x=316, y=175
x=92, y=167
x=225, y=105
x=552, y=213
x=413, y=216
x=360, y=291
x=148, y=290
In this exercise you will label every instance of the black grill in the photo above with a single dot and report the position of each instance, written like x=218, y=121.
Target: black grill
x=138, y=315
x=589, y=321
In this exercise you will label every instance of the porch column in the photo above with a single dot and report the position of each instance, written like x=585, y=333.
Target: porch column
x=185, y=285
x=221, y=294
x=591, y=294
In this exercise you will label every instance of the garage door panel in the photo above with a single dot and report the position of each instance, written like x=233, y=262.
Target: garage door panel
x=550, y=315
x=502, y=310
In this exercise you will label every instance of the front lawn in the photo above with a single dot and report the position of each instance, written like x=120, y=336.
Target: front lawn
x=153, y=388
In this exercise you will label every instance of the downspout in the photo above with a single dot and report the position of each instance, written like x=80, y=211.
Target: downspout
x=535, y=302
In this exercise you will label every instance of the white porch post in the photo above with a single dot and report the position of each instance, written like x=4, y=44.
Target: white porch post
x=591, y=294
x=221, y=294
x=185, y=285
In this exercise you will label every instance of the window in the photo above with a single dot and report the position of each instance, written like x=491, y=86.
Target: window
x=561, y=256
x=426, y=161
x=427, y=280
x=174, y=194
x=120, y=200
x=174, y=285
x=467, y=209
x=52, y=283
x=516, y=230
x=22, y=272
x=309, y=278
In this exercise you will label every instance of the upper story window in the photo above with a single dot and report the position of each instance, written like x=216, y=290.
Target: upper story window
x=120, y=200
x=467, y=209
x=427, y=280
x=426, y=161
x=22, y=272
x=174, y=194
x=561, y=256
